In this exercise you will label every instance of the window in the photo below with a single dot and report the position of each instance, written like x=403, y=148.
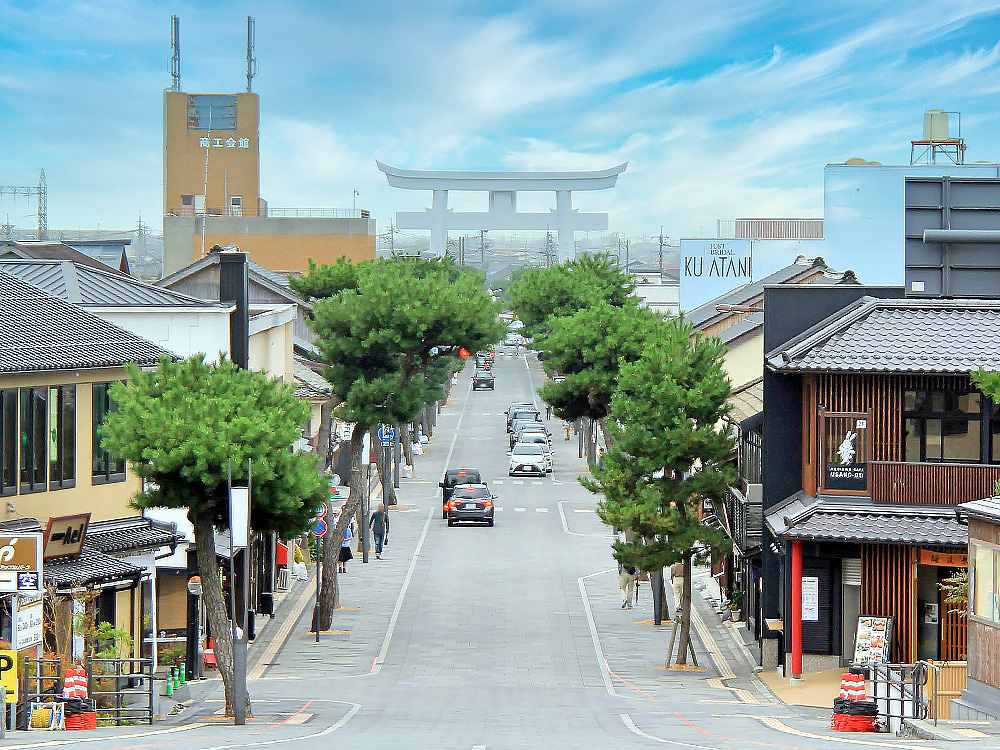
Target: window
x=943, y=425
x=106, y=468
x=984, y=586
x=62, y=437
x=8, y=442
x=34, y=413
x=211, y=112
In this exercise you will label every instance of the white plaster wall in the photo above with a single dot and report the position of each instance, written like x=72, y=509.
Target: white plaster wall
x=184, y=332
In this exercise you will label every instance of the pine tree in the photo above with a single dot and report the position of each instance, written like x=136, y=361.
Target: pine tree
x=182, y=426
x=669, y=454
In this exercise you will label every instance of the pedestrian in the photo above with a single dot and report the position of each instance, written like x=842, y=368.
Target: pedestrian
x=380, y=529
x=548, y=411
x=566, y=429
x=626, y=581
x=345, y=547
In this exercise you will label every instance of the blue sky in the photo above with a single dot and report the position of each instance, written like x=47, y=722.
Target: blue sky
x=721, y=108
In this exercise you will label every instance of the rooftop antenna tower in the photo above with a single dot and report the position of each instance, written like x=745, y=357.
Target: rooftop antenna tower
x=43, y=207
x=251, y=60
x=175, y=57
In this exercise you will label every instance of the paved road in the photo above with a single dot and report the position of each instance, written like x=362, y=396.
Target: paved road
x=496, y=638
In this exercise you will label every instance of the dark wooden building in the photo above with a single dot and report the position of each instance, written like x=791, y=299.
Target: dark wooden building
x=873, y=433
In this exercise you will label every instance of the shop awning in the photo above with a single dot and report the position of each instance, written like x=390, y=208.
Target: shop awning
x=132, y=535
x=90, y=568
x=830, y=519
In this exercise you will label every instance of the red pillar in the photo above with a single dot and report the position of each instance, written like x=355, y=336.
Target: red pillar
x=796, y=629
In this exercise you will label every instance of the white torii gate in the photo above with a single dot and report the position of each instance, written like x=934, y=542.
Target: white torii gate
x=503, y=188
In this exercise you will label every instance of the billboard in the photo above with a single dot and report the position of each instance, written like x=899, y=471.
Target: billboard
x=20, y=563
x=713, y=267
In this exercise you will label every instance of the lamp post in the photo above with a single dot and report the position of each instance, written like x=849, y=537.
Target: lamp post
x=239, y=537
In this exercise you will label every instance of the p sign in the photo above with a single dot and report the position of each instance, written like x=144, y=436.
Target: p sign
x=8, y=674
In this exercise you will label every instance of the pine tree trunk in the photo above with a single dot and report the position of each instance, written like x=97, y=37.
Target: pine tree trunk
x=608, y=438
x=329, y=589
x=407, y=442
x=215, y=603
x=685, y=639
x=323, y=437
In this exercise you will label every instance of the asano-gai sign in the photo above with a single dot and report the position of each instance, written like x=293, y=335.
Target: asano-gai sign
x=209, y=142
x=713, y=267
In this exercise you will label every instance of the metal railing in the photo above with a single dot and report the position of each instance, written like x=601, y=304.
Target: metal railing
x=273, y=213
x=128, y=678
x=898, y=692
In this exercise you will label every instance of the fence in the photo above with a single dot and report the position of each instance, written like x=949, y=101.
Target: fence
x=898, y=691
x=946, y=680
x=125, y=684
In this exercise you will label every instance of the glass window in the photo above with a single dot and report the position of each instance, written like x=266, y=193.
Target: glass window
x=983, y=595
x=943, y=425
x=62, y=436
x=8, y=442
x=34, y=415
x=211, y=112
x=106, y=468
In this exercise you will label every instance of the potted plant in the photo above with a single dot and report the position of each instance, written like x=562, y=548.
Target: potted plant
x=736, y=603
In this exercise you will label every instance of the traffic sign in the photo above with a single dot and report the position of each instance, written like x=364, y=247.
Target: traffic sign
x=386, y=434
x=319, y=529
x=321, y=512
x=463, y=353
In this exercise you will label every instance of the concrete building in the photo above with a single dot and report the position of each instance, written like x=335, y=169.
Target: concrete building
x=211, y=192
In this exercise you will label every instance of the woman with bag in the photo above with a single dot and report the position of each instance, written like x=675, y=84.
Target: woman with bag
x=345, y=547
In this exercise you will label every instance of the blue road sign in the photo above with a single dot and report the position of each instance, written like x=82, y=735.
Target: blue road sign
x=319, y=529
x=386, y=434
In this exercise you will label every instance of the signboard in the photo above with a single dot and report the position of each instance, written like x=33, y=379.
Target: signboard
x=26, y=622
x=713, y=267
x=20, y=563
x=944, y=559
x=64, y=536
x=8, y=674
x=873, y=641
x=239, y=516
x=319, y=528
x=845, y=452
x=810, y=599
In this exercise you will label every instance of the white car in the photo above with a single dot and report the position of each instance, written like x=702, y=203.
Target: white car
x=539, y=438
x=529, y=458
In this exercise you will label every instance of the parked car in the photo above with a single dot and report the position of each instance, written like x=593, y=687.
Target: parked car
x=527, y=458
x=471, y=502
x=484, y=363
x=483, y=379
x=453, y=478
x=515, y=432
x=532, y=414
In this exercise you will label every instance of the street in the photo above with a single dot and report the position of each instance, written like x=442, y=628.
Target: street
x=504, y=637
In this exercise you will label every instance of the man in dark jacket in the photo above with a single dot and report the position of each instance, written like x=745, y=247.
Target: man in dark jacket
x=380, y=529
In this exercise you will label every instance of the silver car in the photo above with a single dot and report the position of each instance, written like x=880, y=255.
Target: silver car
x=528, y=458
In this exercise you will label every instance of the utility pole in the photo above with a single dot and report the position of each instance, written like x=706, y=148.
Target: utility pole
x=661, y=250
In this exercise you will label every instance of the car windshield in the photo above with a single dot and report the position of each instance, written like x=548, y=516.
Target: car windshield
x=534, y=437
x=471, y=492
x=526, y=414
x=531, y=449
x=462, y=476
x=482, y=374
x=527, y=425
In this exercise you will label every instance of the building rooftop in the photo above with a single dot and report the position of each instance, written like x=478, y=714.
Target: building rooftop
x=51, y=250
x=135, y=534
x=863, y=521
x=908, y=335
x=84, y=285
x=706, y=314
x=39, y=332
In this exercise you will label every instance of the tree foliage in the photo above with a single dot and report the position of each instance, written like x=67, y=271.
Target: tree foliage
x=668, y=454
x=182, y=426
x=565, y=288
x=588, y=348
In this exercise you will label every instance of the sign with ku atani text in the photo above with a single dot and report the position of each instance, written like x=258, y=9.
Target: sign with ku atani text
x=710, y=268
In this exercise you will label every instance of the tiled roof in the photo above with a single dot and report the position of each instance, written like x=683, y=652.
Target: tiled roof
x=862, y=521
x=751, y=323
x=748, y=400
x=273, y=280
x=90, y=567
x=84, y=285
x=742, y=295
x=909, y=335
x=309, y=377
x=41, y=332
x=131, y=535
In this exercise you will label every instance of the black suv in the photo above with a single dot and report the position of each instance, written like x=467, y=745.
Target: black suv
x=454, y=477
x=483, y=379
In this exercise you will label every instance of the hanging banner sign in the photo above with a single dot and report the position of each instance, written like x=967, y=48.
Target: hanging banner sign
x=26, y=622
x=810, y=599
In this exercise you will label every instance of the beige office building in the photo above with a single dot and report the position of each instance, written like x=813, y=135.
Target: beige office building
x=211, y=192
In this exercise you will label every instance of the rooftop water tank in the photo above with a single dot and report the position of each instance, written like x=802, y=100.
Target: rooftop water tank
x=935, y=125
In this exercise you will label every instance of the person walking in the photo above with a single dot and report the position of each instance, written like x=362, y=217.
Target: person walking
x=548, y=411
x=626, y=581
x=677, y=581
x=345, y=547
x=380, y=529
